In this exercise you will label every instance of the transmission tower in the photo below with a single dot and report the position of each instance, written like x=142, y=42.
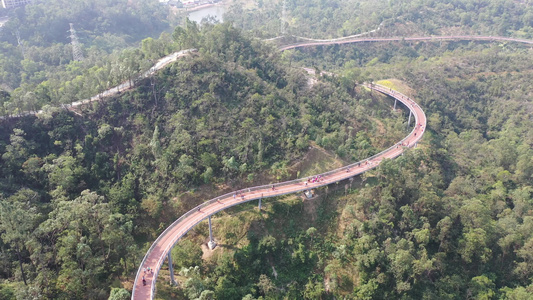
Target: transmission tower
x=76, y=50
x=284, y=18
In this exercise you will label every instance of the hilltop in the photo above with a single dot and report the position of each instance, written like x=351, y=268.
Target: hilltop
x=112, y=176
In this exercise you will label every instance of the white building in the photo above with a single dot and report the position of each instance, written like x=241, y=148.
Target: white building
x=13, y=3
x=190, y=2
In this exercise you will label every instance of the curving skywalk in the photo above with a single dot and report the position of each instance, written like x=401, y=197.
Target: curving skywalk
x=166, y=60
x=156, y=255
x=161, y=63
x=408, y=39
x=159, y=250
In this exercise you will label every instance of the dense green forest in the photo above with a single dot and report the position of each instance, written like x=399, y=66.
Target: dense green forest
x=336, y=18
x=77, y=191
x=37, y=69
x=451, y=219
x=36, y=62
x=83, y=195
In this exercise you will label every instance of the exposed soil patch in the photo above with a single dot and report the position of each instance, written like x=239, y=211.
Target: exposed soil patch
x=311, y=205
x=207, y=253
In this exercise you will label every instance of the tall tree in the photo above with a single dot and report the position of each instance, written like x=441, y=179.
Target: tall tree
x=18, y=218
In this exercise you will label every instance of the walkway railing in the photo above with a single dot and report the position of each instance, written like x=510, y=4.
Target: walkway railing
x=280, y=188
x=344, y=40
x=408, y=39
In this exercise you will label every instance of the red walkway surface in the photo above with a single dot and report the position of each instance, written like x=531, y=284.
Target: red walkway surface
x=164, y=243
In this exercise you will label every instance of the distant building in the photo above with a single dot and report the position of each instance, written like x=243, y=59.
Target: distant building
x=13, y=3
x=190, y=2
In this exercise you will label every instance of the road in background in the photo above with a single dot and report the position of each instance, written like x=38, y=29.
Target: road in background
x=3, y=20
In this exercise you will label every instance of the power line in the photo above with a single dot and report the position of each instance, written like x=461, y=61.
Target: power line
x=284, y=18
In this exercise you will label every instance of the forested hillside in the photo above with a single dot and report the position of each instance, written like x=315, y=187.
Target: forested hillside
x=36, y=61
x=44, y=23
x=450, y=220
x=81, y=194
x=337, y=18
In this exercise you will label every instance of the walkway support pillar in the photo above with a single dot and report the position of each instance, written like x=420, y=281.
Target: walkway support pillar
x=395, y=100
x=171, y=269
x=211, y=244
x=409, y=121
x=259, y=204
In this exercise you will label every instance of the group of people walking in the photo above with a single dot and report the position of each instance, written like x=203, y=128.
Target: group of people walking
x=239, y=194
x=146, y=271
x=314, y=179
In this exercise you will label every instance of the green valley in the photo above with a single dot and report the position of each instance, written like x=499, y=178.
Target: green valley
x=84, y=192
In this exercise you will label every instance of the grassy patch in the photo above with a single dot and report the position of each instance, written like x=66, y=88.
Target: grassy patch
x=318, y=161
x=164, y=289
x=397, y=85
x=387, y=83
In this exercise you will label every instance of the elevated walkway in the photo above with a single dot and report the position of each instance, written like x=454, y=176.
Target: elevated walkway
x=162, y=246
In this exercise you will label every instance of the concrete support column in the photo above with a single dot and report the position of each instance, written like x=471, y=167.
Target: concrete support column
x=211, y=244
x=409, y=121
x=395, y=100
x=171, y=269
x=259, y=204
